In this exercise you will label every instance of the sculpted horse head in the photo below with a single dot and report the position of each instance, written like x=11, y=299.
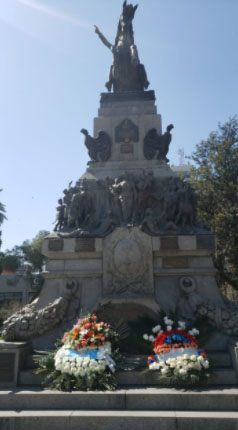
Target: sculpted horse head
x=125, y=23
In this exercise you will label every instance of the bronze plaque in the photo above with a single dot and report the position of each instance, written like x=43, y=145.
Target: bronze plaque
x=175, y=262
x=168, y=242
x=7, y=361
x=127, y=148
x=85, y=245
x=126, y=132
x=56, y=245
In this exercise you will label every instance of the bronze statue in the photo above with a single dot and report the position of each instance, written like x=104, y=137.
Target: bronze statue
x=156, y=146
x=60, y=216
x=99, y=148
x=126, y=72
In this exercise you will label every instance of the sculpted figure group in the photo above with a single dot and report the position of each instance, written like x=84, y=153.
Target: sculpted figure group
x=96, y=207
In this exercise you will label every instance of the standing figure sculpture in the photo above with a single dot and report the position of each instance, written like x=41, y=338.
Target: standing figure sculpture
x=126, y=72
x=60, y=216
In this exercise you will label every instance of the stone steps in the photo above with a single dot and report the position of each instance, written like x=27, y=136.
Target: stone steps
x=132, y=408
x=220, y=376
x=137, y=373
x=118, y=420
x=133, y=399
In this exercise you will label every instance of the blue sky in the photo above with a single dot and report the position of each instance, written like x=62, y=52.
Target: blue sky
x=53, y=69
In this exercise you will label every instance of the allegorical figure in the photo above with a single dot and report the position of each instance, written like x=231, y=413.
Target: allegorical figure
x=59, y=223
x=126, y=72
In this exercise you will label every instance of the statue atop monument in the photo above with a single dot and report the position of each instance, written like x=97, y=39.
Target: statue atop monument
x=126, y=72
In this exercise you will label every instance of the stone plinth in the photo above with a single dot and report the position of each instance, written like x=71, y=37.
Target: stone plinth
x=126, y=118
x=12, y=357
x=131, y=267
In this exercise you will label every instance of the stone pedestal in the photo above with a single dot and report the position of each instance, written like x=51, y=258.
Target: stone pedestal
x=12, y=357
x=127, y=117
x=129, y=267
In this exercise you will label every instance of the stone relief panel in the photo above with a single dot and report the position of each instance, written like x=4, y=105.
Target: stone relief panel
x=127, y=264
x=94, y=208
x=126, y=132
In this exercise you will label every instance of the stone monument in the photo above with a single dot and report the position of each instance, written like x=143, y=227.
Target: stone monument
x=126, y=232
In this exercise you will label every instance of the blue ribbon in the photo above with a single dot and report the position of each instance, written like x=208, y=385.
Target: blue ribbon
x=83, y=354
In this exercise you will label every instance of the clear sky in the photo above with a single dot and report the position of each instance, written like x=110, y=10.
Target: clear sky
x=53, y=68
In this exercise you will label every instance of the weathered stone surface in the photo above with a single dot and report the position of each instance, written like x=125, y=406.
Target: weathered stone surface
x=168, y=243
x=187, y=243
x=206, y=241
x=12, y=358
x=126, y=132
x=127, y=148
x=125, y=96
x=7, y=362
x=200, y=262
x=175, y=262
x=84, y=245
x=55, y=244
x=84, y=265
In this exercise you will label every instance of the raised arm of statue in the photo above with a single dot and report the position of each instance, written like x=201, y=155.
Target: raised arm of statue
x=103, y=39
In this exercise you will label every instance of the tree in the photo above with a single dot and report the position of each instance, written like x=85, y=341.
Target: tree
x=2, y=217
x=9, y=262
x=29, y=251
x=215, y=177
x=32, y=250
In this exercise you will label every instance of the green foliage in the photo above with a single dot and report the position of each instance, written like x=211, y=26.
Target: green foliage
x=65, y=382
x=29, y=251
x=9, y=262
x=215, y=178
x=32, y=250
x=193, y=378
x=54, y=379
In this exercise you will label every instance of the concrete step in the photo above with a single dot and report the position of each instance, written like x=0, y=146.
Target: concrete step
x=118, y=420
x=222, y=376
x=136, y=399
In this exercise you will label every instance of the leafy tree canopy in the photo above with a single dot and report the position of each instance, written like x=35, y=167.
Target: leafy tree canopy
x=215, y=177
x=32, y=250
x=9, y=262
x=29, y=251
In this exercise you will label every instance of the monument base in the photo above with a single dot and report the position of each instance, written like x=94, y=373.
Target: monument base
x=12, y=360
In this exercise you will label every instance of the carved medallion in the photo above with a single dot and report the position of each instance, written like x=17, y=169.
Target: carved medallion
x=128, y=264
x=126, y=132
